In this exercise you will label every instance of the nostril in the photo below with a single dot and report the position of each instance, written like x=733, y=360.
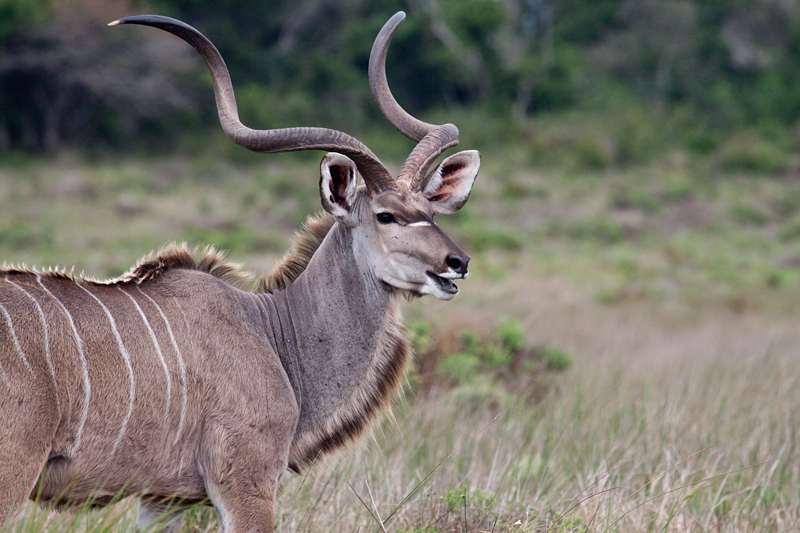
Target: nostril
x=457, y=263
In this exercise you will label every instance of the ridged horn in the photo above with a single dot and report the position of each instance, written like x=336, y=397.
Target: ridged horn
x=406, y=124
x=375, y=174
x=414, y=171
x=432, y=139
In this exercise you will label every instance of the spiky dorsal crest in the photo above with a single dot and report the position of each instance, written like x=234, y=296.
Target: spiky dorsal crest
x=179, y=256
x=208, y=259
x=305, y=242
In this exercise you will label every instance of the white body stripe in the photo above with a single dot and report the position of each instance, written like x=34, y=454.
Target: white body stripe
x=127, y=359
x=87, y=389
x=180, y=361
x=46, y=337
x=14, y=337
x=158, y=350
x=5, y=378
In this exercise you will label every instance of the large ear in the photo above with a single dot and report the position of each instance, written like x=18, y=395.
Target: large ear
x=450, y=184
x=338, y=181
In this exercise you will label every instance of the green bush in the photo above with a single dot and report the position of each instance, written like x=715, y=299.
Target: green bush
x=556, y=360
x=600, y=229
x=788, y=204
x=420, y=333
x=590, y=153
x=791, y=231
x=482, y=238
x=747, y=214
x=21, y=235
x=481, y=363
x=511, y=333
x=238, y=238
x=629, y=197
x=749, y=153
x=459, y=368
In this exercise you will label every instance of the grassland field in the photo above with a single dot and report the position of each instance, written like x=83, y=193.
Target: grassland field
x=623, y=357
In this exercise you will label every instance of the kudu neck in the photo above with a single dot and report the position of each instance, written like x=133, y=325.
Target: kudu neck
x=339, y=326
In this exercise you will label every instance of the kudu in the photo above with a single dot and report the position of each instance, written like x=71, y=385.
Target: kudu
x=174, y=383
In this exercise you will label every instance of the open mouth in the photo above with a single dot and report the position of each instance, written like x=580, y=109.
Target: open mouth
x=444, y=283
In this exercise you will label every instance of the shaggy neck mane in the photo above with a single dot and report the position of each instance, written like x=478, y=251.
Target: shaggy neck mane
x=304, y=244
x=212, y=261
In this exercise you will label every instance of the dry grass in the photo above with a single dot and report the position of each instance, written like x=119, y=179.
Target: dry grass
x=673, y=419
x=679, y=413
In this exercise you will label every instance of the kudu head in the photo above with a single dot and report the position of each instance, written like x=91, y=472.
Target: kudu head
x=392, y=220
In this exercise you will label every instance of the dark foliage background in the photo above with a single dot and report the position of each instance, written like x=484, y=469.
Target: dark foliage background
x=708, y=72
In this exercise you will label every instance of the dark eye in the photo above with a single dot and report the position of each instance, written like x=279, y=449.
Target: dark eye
x=385, y=218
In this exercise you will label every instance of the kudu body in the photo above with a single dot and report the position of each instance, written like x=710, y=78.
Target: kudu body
x=173, y=383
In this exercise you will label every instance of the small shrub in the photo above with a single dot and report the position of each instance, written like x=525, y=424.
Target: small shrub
x=483, y=366
x=701, y=140
x=788, y=204
x=680, y=187
x=511, y=333
x=480, y=502
x=420, y=333
x=610, y=295
x=775, y=280
x=791, y=231
x=481, y=238
x=471, y=341
x=497, y=356
x=21, y=235
x=636, y=198
x=751, y=154
x=459, y=368
x=639, y=137
x=237, y=238
x=517, y=189
x=769, y=496
x=749, y=215
x=472, y=508
x=589, y=153
x=601, y=229
x=556, y=360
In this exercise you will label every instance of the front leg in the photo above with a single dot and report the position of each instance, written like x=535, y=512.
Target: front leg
x=239, y=512
x=157, y=515
x=242, y=471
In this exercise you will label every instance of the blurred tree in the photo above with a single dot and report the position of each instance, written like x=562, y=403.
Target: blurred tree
x=652, y=46
x=68, y=82
x=22, y=14
x=721, y=64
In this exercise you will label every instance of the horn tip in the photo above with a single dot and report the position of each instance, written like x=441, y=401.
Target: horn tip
x=116, y=22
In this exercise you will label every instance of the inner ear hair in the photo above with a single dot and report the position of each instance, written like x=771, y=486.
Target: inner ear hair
x=452, y=168
x=340, y=177
x=433, y=181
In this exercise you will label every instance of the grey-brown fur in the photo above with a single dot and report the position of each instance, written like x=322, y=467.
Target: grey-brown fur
x=175, y=383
